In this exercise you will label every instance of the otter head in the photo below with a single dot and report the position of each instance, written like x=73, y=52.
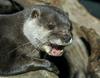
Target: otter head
x=49, y=29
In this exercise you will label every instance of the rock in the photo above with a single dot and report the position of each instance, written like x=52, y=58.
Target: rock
x=36, y=74
x=94, y=59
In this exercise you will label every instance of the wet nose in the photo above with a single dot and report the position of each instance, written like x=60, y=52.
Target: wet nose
x=67, y=38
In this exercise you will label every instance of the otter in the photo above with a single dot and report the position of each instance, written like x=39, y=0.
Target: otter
x=9, y=6
x=26, y=33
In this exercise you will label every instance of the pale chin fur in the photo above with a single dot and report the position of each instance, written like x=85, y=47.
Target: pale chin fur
x=35, y=34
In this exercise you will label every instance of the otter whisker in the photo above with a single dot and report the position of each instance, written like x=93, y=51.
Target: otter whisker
x=40, y=46
x=39, y=42
x=19, y=47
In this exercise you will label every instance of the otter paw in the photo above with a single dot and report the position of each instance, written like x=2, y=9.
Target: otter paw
x=51, y=67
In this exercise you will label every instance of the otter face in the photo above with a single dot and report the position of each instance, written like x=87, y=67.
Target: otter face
x=48, y=28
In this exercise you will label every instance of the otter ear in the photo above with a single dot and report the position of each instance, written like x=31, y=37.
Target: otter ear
x=67, y=14
x=35, y=13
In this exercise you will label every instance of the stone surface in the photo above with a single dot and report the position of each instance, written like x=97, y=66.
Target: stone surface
x=94, y=59
x=36, y=74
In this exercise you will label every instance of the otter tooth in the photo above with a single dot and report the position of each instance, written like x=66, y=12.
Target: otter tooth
x=47, y=48
x=71, y=40
x=61, y=51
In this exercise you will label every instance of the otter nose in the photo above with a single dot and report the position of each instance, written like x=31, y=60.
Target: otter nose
x=67, y=38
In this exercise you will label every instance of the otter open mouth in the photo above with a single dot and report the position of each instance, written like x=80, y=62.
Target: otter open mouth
x=54, y=49
x=57, y=50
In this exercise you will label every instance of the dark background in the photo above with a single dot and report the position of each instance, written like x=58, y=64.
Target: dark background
x=93, y=6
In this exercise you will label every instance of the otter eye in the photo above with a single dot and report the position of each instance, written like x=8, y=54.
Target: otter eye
x=51, y=26
x=35, y=13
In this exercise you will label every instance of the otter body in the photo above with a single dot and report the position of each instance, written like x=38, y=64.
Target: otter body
x=24, y=34
x=9, y=6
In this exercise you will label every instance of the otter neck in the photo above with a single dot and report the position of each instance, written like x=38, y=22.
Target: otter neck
x=35, y=34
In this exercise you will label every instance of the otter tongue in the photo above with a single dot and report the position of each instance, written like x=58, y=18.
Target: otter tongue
x=55, y=52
